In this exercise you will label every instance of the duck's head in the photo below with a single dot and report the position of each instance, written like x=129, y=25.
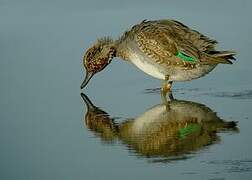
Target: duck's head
x=98, y=57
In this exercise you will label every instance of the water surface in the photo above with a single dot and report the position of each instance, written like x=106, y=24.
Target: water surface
x=44, y=133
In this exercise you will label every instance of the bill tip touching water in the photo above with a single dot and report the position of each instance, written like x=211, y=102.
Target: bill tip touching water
x=165, y=49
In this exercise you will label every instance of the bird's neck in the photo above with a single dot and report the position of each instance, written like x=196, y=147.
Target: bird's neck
x=121, y=51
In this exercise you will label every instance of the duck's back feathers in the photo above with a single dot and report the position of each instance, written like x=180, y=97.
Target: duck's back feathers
x=164, y=40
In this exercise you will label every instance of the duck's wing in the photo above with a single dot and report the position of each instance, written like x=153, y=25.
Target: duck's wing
x=184, y=36
x=171, y=42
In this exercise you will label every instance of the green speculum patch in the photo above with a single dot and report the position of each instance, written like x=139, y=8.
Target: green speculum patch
x=185, y=57
x=190, y=129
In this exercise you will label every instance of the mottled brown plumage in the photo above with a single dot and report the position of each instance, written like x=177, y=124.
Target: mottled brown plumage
x=102, y=52
x=165, y=49
x=162, y=39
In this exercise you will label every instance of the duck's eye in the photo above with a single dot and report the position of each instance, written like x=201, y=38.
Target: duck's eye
x=91, y=53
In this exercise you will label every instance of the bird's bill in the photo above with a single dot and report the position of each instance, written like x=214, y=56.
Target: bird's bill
x=88, y=102
x=87, y=79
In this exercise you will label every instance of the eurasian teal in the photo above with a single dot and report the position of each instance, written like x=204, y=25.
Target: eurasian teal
x=165, y=49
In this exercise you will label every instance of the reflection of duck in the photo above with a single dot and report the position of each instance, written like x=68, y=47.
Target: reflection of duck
x=161, y=132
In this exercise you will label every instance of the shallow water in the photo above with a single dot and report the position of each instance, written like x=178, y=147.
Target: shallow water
x=44, y=130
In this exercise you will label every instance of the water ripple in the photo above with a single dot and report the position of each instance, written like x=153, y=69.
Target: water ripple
x=241, y=94
x=234, y=166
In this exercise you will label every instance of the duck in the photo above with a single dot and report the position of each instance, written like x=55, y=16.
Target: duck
x=164, y=49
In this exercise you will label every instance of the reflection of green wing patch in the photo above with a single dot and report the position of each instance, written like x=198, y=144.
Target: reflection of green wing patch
x=191, y=128
x=185, y=57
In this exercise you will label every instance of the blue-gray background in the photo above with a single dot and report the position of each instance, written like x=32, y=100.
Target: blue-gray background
x=42, y=134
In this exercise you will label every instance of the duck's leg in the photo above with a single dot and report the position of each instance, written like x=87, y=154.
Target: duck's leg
x=171, y=98
x=166, y=88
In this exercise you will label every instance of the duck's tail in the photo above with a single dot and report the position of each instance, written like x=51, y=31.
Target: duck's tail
x=223, y=57
x=225, y=126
